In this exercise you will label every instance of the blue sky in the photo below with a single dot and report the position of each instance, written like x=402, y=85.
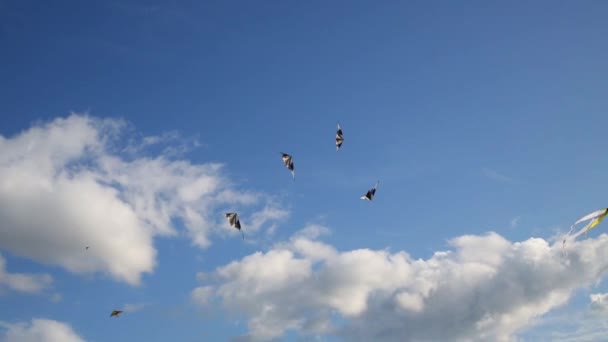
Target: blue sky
x=475, y=117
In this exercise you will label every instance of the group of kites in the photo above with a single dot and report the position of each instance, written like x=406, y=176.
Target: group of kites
x=233, y=218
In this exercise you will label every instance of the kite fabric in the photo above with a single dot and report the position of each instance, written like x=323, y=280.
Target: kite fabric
x=233, y=219
x=596, y=217
x=288, y=161
x=339, y=138
x=115, y=313
x=370, y=193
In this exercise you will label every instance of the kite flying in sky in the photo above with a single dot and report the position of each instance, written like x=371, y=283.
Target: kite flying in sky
x=233, y=218
x=288, y=161
x=115, y=313
x=370, y=193
x=596, y=217
x=339, y=138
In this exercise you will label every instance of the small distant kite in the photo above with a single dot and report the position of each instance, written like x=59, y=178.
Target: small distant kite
x=288, y=161
x=339, y=138
x=115, y=313
x=596, y=217
x=370, y=193
x=87, y=247
x=233, y=218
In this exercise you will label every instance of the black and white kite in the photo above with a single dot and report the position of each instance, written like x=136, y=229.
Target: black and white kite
x=233, y=218
x=288, y=161
x=339, y=138
x=370, y=193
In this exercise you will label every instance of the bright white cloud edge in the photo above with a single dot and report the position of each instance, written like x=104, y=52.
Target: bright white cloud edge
x=485, y=289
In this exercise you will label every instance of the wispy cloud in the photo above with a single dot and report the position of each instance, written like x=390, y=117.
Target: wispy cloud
x=56, y=297
x=495, y=175
x=175, y=145
x=583, y=325
x=202, y=294
x=134, y=307
x=269, y=213
x=23, y=282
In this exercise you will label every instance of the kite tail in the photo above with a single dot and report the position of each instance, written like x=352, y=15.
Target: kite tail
x=580, y=232
x=566, y=238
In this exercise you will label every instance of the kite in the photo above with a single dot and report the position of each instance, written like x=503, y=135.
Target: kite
x=339, y=138
x=370, y=193
x=233, y=218
x=87, y=247
x=288, y=161
x=115, y=313
x=596, y=217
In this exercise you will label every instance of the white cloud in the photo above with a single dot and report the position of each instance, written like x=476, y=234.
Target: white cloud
x=485, y=288
x=272, y=212
x=66, y=184
x=23, y=282
x=202, y=294
x=495, y=175
x=177, y=145
x=134, y=307
x=312, y=231
x=39, y=330
x=56, y=298
x=586, y=325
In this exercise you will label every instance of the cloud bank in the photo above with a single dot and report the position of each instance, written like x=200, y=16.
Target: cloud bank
x=69, y=183
x=485, y=288
x=39, y=330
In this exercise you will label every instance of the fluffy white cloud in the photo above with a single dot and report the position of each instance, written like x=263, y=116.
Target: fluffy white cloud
x=23, y=282
x=68, y=184
x=485, y=289
x=39, y=330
